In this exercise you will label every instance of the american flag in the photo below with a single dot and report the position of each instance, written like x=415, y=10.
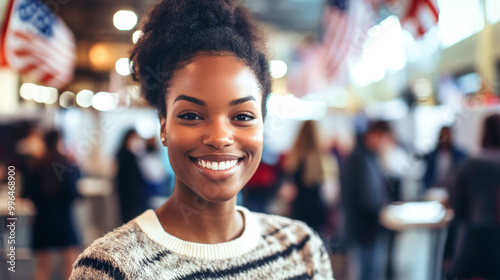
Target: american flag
x=38, y=44
x=345, y=24
x=416, y=16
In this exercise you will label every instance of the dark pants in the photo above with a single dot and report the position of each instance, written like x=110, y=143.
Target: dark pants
x=369, y=261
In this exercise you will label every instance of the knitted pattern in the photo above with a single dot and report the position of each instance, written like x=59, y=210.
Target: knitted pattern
x=270, y=247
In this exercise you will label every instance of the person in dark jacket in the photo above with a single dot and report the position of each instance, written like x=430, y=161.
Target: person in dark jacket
x=51, y=185
x=476, y=201
x=443, y=162
x=129, y=179
x=364, y=192
x=442, y=165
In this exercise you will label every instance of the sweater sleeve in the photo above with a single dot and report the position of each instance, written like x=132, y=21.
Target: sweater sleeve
x=96, y=264
x=321, y=259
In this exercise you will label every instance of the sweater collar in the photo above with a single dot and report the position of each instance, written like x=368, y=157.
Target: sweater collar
x=248, y=240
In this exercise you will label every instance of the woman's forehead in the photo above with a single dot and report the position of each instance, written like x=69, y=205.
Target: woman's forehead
x=216, y=76
x=213, y=66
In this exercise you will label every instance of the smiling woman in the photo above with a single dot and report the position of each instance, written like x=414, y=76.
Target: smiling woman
x=202, y=65
x=213, y=116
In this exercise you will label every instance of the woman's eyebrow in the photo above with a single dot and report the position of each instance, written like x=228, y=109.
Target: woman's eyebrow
x=190, y=99
x=202, y=103
x=241, y=100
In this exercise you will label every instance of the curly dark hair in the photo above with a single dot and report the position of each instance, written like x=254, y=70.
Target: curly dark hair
x=176, y=31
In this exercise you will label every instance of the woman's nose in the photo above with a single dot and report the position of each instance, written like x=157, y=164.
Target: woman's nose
x=219, y=134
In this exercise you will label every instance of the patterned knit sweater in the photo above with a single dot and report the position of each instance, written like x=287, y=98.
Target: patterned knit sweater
x=270, y=247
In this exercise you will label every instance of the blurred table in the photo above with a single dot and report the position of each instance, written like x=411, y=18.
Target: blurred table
x=430, y=215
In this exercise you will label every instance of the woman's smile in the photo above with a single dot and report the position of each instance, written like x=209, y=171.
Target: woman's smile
x=217, y=167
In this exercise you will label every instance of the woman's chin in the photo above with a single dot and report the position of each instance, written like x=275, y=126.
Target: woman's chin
x=217, y=192
x=219, y=197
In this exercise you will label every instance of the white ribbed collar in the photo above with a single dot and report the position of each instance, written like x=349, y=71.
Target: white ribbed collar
x=149, y=223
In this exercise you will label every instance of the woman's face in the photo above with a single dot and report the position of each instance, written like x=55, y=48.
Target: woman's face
x=214, y=126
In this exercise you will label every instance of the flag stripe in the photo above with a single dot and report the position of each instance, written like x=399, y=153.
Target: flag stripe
x=44, y=63
x=34, y=42
x=37, y=71
x=420, y=16
x=51, y=59
x=3, y=32
x=344, y=27
x=39, y=44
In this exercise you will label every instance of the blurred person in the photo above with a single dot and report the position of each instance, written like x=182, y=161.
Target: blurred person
x=364, y=192
x=476, y=201
x=303, y=166
x=29, y=147
x=395, y=164
x=443, y=162
x=442, y=165
x=130, y=182
x=211, y=96
x=340, y=149
x=28, y=150
x=52, y=188
x=155, y=176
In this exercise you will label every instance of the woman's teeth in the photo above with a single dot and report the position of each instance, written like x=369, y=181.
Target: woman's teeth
x=223, y=165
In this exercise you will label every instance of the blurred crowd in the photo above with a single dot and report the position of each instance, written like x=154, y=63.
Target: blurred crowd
x=339, y=193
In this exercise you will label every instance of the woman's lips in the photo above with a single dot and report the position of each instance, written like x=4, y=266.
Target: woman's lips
x=217, y=170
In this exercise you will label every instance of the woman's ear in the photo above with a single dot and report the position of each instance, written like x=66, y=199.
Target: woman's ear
x=163, y=131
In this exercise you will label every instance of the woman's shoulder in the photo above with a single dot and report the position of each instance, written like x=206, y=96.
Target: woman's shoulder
x=110, y=254
x=116, y=241
x=125, y=233
x=274, y=225
x=284, y=237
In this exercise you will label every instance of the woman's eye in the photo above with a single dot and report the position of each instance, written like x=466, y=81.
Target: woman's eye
x=244, y=117
x=189, y=116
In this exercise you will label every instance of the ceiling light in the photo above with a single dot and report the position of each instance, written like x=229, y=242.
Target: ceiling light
x=84, y=98
x=104, y=101
x=136, y=36
x=278, y=68
x=99, y=55
x=67, y=99
x=124, y=20
x=27, y=90
x=122, y=66
x=40, y=94
x=51, y=96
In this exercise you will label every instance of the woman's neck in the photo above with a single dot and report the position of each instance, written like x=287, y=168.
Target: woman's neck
x=189, y=217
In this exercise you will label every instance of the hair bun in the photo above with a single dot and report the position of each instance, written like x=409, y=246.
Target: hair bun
x=187, y=17
x=244, y=25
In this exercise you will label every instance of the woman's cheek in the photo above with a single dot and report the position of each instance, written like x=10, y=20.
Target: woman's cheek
x=181, y=136
x=256, y=137
x=179, y=142
x=253, y=141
